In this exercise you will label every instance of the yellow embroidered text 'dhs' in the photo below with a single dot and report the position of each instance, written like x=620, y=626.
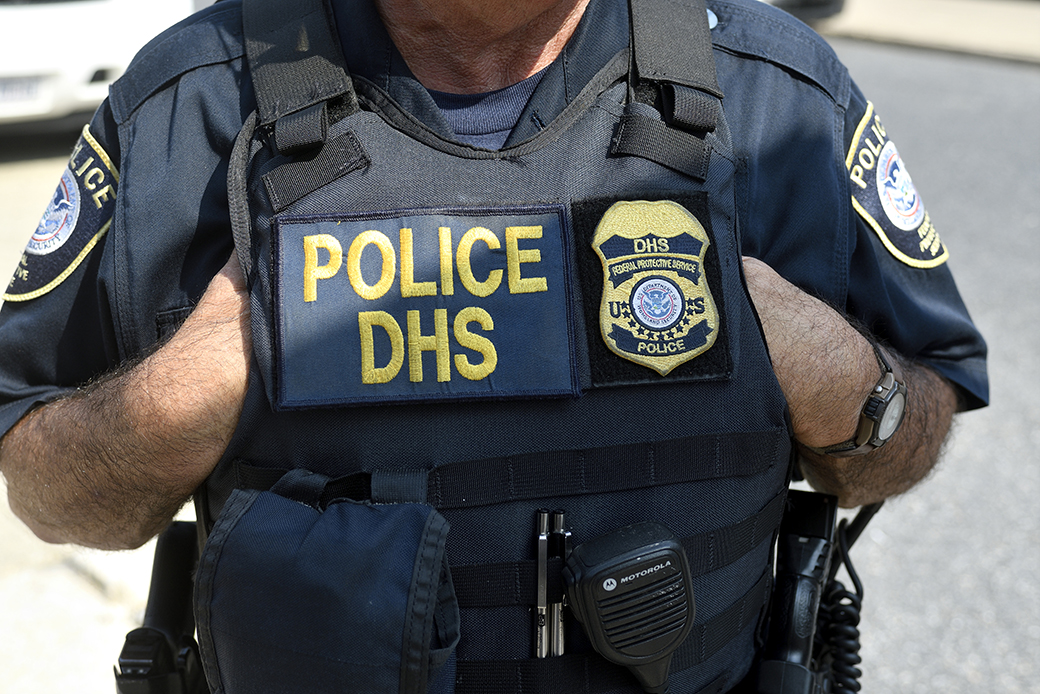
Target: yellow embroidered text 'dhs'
x=423, y=305
x=657, y=309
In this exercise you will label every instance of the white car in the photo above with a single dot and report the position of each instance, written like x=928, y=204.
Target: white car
x=57, y=57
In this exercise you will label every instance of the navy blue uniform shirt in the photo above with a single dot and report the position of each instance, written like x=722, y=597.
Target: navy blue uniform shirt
x=93, y=295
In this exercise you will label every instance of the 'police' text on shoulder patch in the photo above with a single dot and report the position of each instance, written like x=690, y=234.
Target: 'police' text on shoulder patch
x=423, y=305
x=885, y=197
x=657, y=309
x=76, y=218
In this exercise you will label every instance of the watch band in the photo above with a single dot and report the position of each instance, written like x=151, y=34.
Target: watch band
x=890, y=384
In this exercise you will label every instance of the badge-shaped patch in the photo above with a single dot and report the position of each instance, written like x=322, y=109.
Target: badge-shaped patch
x=78, y=215
x=885, y=196
x=657, y=309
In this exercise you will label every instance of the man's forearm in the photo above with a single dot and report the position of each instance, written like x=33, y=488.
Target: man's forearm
x=902, y=462
x=109, y=465
x=826, y=369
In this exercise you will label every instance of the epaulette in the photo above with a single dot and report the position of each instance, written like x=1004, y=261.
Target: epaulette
x=785, y=42
x=209, y=37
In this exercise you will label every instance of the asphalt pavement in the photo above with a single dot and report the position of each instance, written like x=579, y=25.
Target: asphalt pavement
x=64, y=610
x=1008, y=29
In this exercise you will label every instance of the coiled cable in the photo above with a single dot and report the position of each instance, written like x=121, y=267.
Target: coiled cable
x=840, y=628
x=837, y=647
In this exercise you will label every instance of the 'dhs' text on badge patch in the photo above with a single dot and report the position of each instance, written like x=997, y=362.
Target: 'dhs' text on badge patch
x=77, y=216
x=657, y=309
x=884, y=195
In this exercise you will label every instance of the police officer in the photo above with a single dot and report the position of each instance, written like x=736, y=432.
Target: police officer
x=141, y=366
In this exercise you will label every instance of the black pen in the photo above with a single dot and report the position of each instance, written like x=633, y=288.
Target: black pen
x=561, y=545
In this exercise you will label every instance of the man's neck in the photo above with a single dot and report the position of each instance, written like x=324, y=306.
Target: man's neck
x=474, y=46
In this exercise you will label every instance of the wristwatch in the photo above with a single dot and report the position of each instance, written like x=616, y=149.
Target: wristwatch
x=881, y=415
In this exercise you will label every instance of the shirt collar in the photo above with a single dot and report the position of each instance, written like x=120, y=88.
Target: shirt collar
x=370, y=54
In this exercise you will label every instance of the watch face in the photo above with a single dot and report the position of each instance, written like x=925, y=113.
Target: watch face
x=892, y=417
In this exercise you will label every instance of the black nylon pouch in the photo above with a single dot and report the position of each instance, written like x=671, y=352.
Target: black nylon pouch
x=296, y=596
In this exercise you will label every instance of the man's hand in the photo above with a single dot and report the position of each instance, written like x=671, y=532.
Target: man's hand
x=110, y=465
x=826, y=370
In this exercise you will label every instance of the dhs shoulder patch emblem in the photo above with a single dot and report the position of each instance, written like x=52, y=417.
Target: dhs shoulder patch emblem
x=657, y=309
x=78, y=215
x=885, y=197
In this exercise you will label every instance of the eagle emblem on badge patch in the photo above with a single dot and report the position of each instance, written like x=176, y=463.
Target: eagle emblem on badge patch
x=657, y=309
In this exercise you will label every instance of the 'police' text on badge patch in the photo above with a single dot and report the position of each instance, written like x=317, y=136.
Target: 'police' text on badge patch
x=885, y=197
x=657, y=309
x=76, y=218
x=423, y=305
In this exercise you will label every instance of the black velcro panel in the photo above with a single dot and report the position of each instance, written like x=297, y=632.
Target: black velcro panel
x=607, y=368
x=294, y=59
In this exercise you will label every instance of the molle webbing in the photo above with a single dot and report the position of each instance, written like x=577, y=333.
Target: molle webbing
x=515, y=583
x=589, y=672
x=543, y=475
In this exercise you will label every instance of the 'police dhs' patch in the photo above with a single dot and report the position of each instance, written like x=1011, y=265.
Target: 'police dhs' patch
x=884, y=195
x=423, y=305
x=657, y=309
x=78, y=215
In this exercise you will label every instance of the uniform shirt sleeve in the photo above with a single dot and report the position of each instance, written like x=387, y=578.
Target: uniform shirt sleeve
x=899, y=283
x=56, y=334
x=167, y=129
x=813, y=205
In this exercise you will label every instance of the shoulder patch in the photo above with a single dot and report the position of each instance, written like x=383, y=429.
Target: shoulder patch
x=78, y=215
x=885, y=196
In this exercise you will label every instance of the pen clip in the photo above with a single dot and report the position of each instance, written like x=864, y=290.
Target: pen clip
x=541, y=615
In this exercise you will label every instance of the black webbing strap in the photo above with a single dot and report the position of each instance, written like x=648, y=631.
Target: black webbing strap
x=691, y=109
x=357, y=487
x=600, y=470
x=294, y=59
x=302, y=130
x=515, y=583
x=671, y=48
x=672, y=43
x=574, y=472
x=583, y=672
x=305, y=174
x=651, y=139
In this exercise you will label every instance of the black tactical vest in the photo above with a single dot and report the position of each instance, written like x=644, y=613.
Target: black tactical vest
x=562, y=324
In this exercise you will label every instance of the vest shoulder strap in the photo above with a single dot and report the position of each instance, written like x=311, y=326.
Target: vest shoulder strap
x=674, y=68
x=296, y=66
x=671, y=43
